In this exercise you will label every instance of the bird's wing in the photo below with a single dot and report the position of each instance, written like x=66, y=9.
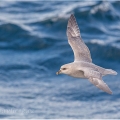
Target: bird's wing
x=81, y=51
x=96, y=79
x=100, y=84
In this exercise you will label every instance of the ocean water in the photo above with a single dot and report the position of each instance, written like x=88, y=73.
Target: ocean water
x=33, y=46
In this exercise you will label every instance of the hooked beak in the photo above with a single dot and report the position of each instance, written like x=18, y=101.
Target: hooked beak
x=58, y=72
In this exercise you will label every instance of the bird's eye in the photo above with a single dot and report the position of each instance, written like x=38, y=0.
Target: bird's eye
x=64, y=68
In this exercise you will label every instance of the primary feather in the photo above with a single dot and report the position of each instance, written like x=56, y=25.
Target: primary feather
x=81, y=51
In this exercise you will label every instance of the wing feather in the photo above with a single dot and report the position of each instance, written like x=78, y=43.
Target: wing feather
x=95, y=77
x=81, y=51
x=100, y=84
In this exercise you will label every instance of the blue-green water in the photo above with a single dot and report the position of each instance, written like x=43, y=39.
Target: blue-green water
x=33, y=46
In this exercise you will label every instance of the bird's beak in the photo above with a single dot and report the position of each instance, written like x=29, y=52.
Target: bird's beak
x=58, y=72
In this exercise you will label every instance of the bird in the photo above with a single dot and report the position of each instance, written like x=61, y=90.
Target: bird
x=82, y=66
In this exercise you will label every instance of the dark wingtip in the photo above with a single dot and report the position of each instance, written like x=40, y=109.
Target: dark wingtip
x=72, y=15
x=72, y=18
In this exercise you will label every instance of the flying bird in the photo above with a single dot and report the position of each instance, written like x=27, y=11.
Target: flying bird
x=82, y=67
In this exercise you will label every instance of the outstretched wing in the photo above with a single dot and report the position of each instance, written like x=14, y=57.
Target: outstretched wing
x=96, y=79
x=81, y=51
x=100, y=84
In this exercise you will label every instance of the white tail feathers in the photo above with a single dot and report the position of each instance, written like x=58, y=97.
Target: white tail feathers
x=110, y=71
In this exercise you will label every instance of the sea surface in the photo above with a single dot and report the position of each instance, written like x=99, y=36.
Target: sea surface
x=33, y=46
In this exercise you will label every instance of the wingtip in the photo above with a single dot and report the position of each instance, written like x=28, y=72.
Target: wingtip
x=72, y=15
x=110, y=92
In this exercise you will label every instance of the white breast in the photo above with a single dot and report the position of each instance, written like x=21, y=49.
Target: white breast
x=78, y=74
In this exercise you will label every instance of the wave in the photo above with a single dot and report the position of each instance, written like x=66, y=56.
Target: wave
x=13, y=37
x=105, y=52
x=16, y=38
x=101, y=10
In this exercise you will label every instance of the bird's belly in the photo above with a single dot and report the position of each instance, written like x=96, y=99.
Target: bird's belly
x=79, y=74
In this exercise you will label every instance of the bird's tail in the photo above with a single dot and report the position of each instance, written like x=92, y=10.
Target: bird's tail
x=110, y=71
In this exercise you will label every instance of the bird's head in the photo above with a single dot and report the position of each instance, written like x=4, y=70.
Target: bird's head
x=65, y=69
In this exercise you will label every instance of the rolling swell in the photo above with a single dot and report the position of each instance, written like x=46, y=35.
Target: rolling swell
x=55, y=27
x=105, y=52
x=13, y=37
x=33, y=46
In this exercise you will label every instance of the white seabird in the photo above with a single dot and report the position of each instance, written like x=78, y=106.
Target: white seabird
x=82, y=67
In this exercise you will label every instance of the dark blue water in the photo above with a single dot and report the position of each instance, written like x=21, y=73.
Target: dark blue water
x=33, y=46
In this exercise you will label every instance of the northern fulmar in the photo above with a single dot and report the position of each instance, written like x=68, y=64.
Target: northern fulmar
x=82, y=67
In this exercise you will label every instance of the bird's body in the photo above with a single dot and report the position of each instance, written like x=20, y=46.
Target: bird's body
x=82, y=67
x=75, y=70
x=78, y=69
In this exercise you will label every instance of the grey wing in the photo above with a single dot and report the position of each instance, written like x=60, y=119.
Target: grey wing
x=96, y=78
x=100, y=84
x=81, y=51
